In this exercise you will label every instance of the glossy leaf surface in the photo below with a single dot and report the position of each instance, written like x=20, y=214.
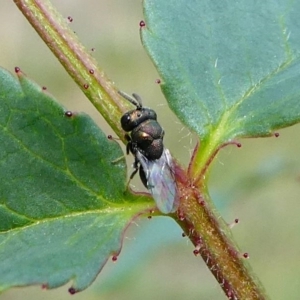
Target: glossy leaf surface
x=62, y=207
x=229, y=68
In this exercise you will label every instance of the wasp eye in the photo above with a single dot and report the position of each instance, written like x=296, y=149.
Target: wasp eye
x=126, y=122
x=126, y=119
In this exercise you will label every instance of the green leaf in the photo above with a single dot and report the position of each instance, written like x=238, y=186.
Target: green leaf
x=63, y=206
x=229, y=68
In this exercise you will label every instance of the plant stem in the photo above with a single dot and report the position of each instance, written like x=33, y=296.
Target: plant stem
x=77, y=61
x=213, y=240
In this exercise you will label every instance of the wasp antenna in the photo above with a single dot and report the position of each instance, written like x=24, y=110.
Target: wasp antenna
x=135, y=100
x=138, y=99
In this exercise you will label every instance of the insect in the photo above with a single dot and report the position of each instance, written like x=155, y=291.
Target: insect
x=152, y=160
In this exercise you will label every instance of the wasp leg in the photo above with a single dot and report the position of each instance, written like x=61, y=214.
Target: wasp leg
x=133, y=173
x=136, y=168
x=128, y=148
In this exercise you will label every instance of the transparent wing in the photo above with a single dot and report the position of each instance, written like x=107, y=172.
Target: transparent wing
x=161, y=183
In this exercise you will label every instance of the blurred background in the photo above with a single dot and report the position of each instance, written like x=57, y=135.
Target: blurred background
x=258, y=183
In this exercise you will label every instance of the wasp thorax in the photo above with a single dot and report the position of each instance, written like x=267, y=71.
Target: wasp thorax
x=135, y=117
x=147, y=137
x=146, y=134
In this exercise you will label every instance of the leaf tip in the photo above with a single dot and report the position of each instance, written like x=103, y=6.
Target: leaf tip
x=142, y=24
x=69, y=114
x=114, y=258
x=17, y=70
x=72, y=290
x=19, y=73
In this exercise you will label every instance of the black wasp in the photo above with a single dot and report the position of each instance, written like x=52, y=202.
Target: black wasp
x=152, y=160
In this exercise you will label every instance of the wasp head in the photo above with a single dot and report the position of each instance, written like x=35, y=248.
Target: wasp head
x=133, y=118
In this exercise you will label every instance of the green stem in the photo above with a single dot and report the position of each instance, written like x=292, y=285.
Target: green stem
x=77, y=61
x=214, y=242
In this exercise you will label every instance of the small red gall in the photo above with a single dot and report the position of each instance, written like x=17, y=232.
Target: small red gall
x=114, y=258
x=196, y=252
x=236, y=221
x=91, y=71
x=70, y=19
x=142, y=24
x=202, y=202
x=198, y=242
x=72, y=291
x=229, y=294
x=276, y=134
x=44, y=286
x=158, y=81
x=86, y=86
x=110, y=137
x=246, y=255
x=44, y=88
x=68, y=114
x=181, y=216
x=17, y=69
x=239, y=145
x=233, y=252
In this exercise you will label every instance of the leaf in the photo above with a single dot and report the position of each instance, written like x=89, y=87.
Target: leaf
x=229, y=68
x=62, y=207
